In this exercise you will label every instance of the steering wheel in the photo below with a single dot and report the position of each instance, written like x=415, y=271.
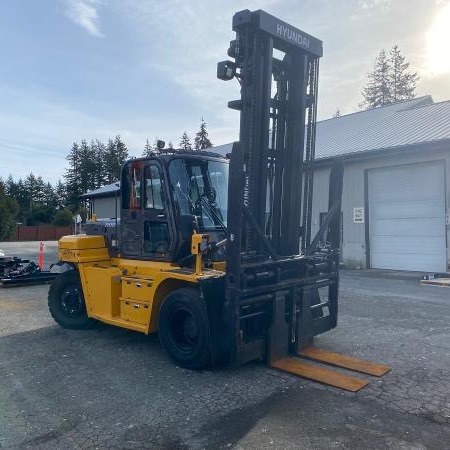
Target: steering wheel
x=211, y=195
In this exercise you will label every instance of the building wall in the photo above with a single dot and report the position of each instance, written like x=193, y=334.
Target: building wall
x=354, y=192
x=105, y=207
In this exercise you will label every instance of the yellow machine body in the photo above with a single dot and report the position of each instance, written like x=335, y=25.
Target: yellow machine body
x=124, y=292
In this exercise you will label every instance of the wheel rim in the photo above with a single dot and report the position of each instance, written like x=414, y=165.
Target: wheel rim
x=72, y=302
x=183, y=330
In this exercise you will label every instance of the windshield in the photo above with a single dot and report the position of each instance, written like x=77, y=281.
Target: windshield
x=200, y=187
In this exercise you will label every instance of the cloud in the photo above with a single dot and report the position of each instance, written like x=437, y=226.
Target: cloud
x=375, y=4
x=84, y=14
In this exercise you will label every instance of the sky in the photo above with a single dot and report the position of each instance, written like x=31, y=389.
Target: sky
x=92, y=69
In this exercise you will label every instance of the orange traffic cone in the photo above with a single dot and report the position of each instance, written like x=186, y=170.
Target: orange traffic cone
x=41, y=256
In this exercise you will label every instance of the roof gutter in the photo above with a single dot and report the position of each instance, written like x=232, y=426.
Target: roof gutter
x=442, y=144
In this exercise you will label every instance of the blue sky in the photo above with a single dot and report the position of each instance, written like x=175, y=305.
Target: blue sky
x=74, y=69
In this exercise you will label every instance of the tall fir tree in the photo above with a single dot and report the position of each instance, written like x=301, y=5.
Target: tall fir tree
x=390, y=81
x=377, y=90
x=148, y=149
x=185, y=142
x=50, y=197
x=116, y=155
x=151, y=149
x=402, y=82
x=80, y=177
x=8, y=213
x=98, y=150
x=30, y=185
x=22, y=197
x=38, y=196
x=72, y=177
x=87, y=167
x=122, y=154
x=61, y=195
x=201, y=140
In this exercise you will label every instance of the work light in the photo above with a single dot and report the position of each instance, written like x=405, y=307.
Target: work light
x=226, y=70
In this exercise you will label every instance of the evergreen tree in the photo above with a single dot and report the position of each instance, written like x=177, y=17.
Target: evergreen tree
x=98, y=151
x=377, y=90
x=60, y=195
x=201, y=140
x=22, y=197
x=90, y=166
x=30, y=186
x=40, y=205
x=50, y=197
x=170, y=145
x=185, y=142
x=62, y=218
x=148, y=149
x=116, y=155
x=72, y=179
x=390, y=81
x=87, y=167
x=38, y=195
x=8, y=213
x=9, y=186
x=81, y=175
x=402, y=82
x=151, y=149
x=122, y=155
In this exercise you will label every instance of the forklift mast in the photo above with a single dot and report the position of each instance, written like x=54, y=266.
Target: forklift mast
x=279, y=68
x=270, y=254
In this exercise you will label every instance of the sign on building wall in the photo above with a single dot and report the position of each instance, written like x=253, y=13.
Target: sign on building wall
x=358, y=215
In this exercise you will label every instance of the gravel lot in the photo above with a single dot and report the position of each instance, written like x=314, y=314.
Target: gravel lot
x=112, y=388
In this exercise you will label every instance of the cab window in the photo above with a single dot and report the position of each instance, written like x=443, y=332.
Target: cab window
x=153, y=188
x=131, y=184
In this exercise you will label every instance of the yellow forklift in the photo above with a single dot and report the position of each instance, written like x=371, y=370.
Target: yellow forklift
x=216, y=254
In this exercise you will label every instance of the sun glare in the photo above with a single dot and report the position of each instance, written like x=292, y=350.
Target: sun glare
x=438, y=43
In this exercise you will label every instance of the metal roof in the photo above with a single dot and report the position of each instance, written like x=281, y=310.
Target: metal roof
x=405, y=123
x=105, y=191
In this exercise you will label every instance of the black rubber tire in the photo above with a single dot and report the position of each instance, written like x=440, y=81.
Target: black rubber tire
x=66, y=302
x=183, y=328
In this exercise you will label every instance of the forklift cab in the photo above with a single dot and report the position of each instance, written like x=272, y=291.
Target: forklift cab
x=166, y=198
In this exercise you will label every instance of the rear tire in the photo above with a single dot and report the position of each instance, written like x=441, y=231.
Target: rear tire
x=66, y=302
x=183, y=328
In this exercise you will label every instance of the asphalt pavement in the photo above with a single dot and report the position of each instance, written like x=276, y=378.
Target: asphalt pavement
x=113, y=388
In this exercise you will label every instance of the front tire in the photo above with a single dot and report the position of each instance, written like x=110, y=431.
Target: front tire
x=66, y=302
x=183, y=328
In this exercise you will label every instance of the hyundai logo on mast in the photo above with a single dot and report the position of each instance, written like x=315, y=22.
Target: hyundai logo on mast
x=292, y=35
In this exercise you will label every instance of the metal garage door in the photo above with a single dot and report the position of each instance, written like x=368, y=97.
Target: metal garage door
x=407, y=217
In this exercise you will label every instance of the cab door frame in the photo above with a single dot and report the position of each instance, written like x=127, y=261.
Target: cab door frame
x=135, y=215
x=156, y=216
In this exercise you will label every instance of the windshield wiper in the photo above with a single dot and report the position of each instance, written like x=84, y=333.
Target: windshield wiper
x=212, y=213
